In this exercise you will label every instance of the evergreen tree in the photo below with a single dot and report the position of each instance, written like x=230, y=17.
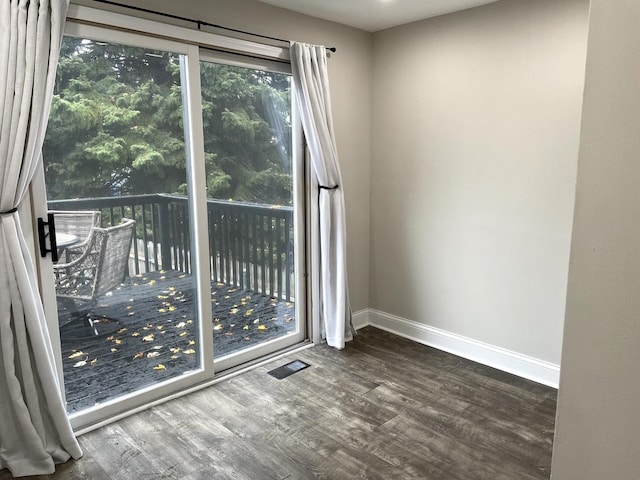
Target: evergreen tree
x=116, y=127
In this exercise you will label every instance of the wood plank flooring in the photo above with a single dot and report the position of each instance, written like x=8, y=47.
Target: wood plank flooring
x=383, y=408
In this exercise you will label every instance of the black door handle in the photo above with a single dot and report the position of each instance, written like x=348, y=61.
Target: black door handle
x=51, y=233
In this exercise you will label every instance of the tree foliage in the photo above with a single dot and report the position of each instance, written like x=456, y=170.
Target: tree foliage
x=117, y=126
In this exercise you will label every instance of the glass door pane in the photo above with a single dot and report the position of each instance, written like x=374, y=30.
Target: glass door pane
x=251, y=191
x=115, y=151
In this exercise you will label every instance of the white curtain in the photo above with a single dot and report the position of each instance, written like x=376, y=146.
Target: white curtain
x=35, y=433
x=311, y=82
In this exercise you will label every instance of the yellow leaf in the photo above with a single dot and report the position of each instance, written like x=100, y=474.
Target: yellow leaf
x=135, y=334
x=117, y=341
x=160, y=327
x=110, y=338
x=148, y=338
x=162, y=297
x=114, y=350
x=76, y=354
x=175, y=350
x=192, y=342
x=191, y=351
x=246, y=327
x=262, y=327
x=249, y=312
x=218, y=327
x=181, y=325
x=94, y=361
x=172, y=309
x=122, y=330
x=233, y=311
x=159, y=367
x=182, y=334
x=161, y=310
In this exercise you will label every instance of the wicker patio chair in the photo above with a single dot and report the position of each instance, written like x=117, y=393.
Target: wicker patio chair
x=98, y=269
x=77, y=223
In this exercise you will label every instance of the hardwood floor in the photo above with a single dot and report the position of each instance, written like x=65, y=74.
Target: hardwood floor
x=383, y=408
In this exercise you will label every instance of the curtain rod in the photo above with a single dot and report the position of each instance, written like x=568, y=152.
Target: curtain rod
x=199, y=23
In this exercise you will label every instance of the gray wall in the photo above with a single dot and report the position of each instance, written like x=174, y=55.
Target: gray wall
x=350, y=77
x=598, y=423
x=475, y=132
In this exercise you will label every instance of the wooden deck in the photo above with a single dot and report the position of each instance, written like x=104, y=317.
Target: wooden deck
x=383, y=408
x=155, y=335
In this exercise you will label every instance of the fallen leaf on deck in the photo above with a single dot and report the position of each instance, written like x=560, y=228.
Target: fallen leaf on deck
x=159, y=367
x=262, y=327
x=94, y=361
x=191, y=351
x=76, y=355
x=148, y=338
x=138, y=355
x=152, y=354
x=80, y=364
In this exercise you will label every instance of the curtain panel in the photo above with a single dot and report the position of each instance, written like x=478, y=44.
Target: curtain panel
x=35, y=432
x=311, y=82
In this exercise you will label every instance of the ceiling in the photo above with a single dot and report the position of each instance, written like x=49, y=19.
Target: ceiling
x=374, y=15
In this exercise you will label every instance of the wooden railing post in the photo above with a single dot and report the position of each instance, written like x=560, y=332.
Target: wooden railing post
x=165, y=236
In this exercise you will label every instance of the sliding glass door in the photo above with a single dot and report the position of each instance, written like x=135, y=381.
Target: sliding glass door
x=252, y=179
x=175, y=180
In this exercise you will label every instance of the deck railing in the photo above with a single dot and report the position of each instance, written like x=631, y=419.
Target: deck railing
x=250, y=245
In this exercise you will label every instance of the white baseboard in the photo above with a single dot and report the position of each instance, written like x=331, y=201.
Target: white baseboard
x=506, y=360
x=360, y=318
